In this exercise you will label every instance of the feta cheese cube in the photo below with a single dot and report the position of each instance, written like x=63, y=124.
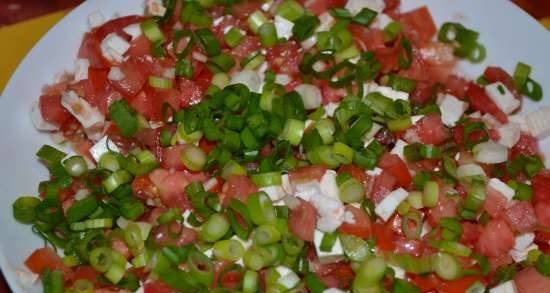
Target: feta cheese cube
x=91, y=119
x=328, y=185
x=102, y=147
x=416, y=118
x=133, y=30
x=335, y=254
x=283, y=27
x=306, y=190
x=399, y=148
x=509, y=134
x=399, y=272
x=311, y=96
x=113, y=47
x=388, y=92
x=95, y=19
x=38, y=121
x=287, y=277
x=275, y=192
x=524, y=240
x=250, y=78
x=81, y=69
x=506, y=287
x=388, y=205
x=502, y=188
x=282, y=79
x=330, y=212
x=538, y=122
x=376, y=172
x=330, y=108
x=115, y=74
x=155, y=8
x=355, y=6
x=502, y=97
x=451, y=109
x=381, y=21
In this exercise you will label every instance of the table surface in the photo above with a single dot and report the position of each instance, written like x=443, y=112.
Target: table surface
x=22, y=24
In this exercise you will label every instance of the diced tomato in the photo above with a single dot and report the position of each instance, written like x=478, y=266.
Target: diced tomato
x=529, y=280
x=418, y=25
x=135, y=72
x=120, y=246
x=247, y=46
x=496, y=74
x=432, y=283
x=173, y=233
x=470, y=233
x=243, y=9
x=52, y=111
x=86, y=273
x=329, y=93
x=521, y=217
x=46, y=258
x=480, y=101
x=302, y=221
x=391, y=5
x=336, y=275
x=429, y=130
x=388, y=58
x=171, y=187
x=284, y=58
x=446, y=208
x=357, y=173
x=367, y=38
x=139, y=47
x=320, y=6
x=542, y=239
x=456, y=86
x=397, y=168
x=143, y=187
x=360, y=227
x=384, y=237
x=171, y=157
x=150, y=138
x=307, y=173
x=157, y=287
x=496, y=238
x=541, y=186
x=117, y=25
x=527, y=146
x=383, y=185
x=422, y=93
x=190, y=93
x=206, y=145
x=495, y=203
x=541, y=210
x=238, y=187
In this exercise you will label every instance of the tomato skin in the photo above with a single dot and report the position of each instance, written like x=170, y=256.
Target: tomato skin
x=541, y=186
x=470, y=233
x=157, y=287
x=46, y=258
x=530, y=280
x=541, y=210
x=284, y=58
x=238, y=187
x=357, y=173
x=302, y=221
x=383, y=184
x=418, y=25
x=320, y=6
x=367, y=38
x=480, y=101
x=135, y=72
x=171, y=186
x=307, y=173
x=429, y=130
x=422, y=93
x=384, y=237
x=521, y=217
x=86, y=273
x=247, y=46
x=361, y=226
x=52, y=111
x=336, y=275
x=456, y=86
x=496, y=238
x=446, y=208
x=397, y=168
x=495, y=203
x=527, y=146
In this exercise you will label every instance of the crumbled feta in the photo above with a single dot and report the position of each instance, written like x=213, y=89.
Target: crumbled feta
x=355, y=6
x=155, y=8
x=133, y=30
x=328, y=185
x=81, y=69
x=330, y=212
x=287, y=277
x=38, y=121
x=451, y=109
x=26, y=278
x=388, y=205
x=91, y=119
x=538, y=122
x=388, y=92
x=376, y=172
x=523, y=244
x=103, y=146
x=287, y=186
x=399, y=272
x=283, y=27
x=250, y=78
x=502, y=97
x=306, y=190
x=311, y=95
x=330, y=108
x=95, y=19
x=335, y=254
x=509, y=134
x=275, y=192
x=399, y=148
x=381, y=21
x=502, y=188
x=282, y=79
x=416, y=118
x=506, y=287
x=115, y=74
x=113, y=47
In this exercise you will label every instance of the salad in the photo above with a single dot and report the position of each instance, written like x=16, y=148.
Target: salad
x=319, y=146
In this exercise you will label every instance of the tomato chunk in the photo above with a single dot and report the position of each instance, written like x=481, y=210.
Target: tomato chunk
x=302, y=221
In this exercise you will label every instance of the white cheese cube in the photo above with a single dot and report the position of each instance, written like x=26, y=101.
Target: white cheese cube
x=399, y=272
x=399, y=148
x=388, y=92
x=524, y=240
x=388, y=205
x=335, y=254
x=95, y=19
x=102, y=147
x=282, y=79
x=416, y=118
x=502, y=97
x=506, y=287
x=283, y=27
x=521, y=255
x=330, y=108
x=287, y=277
x=502, y=188
x=306, y=190
x=355, y=6
x=81, y=69
x=133, y=30
x=328, y=185
x=330, y=212
x=38, y=121
x=275, y=192
x=155, y=8
x=509, y=134
x=311, y=96
x=381, y=21
x=115, y=74
x=451, y=109
x=250, y=78
x=113, y=47
x=538, y=122
x=91, y=119
x=376, y=172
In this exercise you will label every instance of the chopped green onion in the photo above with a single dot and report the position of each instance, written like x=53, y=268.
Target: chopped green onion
x=152, y=31
x=222, y=62
x=83, y=286
x=415, y=199
x=214, y=228
x=109, y=161
x=194, y=13
x=261, y=209
x=124, y=117
x=184, y=68
x=256, y=20
x=82, y=209
x=233, y=37
x=475, y=128
x=115, y=180
x=532, y=89
x=290, y=10
x=266, y=234
x=455, y=248
x=266, y=179
x=430, y=196
x=231, y=250
x=543, y=265
x=369, y=274
x=351, y=190
x=328, y=241
x=521, y=75
x=304, y=27
x=250, y=282
x=232, y=168
x=268, y=34
x=412, y=225
x=101, y=259
x=365, y=17
x=208, y=41
x=52, y=281
x=160, y=82
x=399, y=124
x=76, y=166
x=194, y=158
x=293, y=131
x=446, y=266
x=405, y=54
x=50, y=155
x=24, y=209
x=391, y=31
x=314, y=284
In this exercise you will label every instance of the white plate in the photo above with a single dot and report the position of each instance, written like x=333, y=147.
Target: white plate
x=509, y=34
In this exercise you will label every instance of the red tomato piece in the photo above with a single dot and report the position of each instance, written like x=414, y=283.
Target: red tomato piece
x=173, y=233
x=171, y=158
x=530, y=280
x=397, y=168
x=496, y=238
x=247, y=46
x=190, y=93
x=336, y=275
x=320, y=6
x=470, y=233
x=45, y=258
x=361, y=226
x=157, y=287
x=495, y=203
x=143, y=188
x=367, y=38
x=52, y=111
x=541, y=186
x=432, y=283
x=388, y=58
x=521, y=217
x=238, y=187
x=307, y=173
x=171, y=186
x=385, y=239
x=86, y=273
x=422, y=93
x=456, y=86
x=541, y=210
x=243, y=9
x=446, y=208
x=357, y=173
x=302, y=221
x=285, y=57
x=480, y=101
x=429, y=130
x=418, y=25
x=527, y=146
x=135, y=73
x=383, y=184
x=496, y=74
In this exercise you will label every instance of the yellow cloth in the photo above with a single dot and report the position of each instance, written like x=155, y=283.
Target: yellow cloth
x=19, y=39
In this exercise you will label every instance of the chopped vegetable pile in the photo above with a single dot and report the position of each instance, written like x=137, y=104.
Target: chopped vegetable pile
x=319, y=146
